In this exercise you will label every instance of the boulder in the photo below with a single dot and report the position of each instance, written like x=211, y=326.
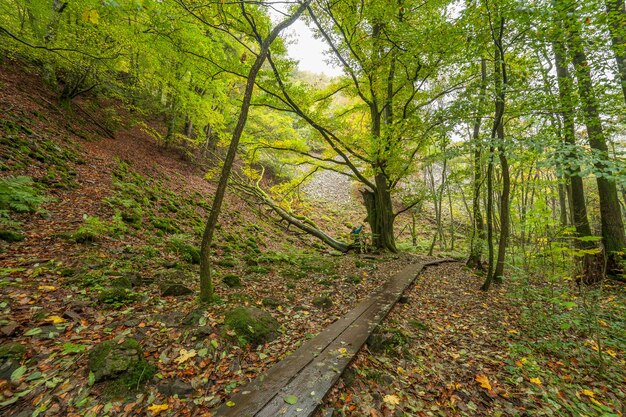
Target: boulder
x=252, y=324
x=232, y=281
x=175, y=289
x=323, y=302
x=171, y=387
x=110, y=359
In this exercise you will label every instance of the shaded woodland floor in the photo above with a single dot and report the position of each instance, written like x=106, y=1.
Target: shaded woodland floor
x=455, y=350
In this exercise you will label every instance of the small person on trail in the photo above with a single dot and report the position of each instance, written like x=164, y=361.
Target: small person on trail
x=356, y=235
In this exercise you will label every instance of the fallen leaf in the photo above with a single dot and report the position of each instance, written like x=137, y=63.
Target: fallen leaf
x=483, y=381
x=47, y=288
x=54, y=319
x=391, y=400
x=157, y=408
x=185, y=355
x=588, y=393
x=535, y=381
x=290, y=399
x=230, y=404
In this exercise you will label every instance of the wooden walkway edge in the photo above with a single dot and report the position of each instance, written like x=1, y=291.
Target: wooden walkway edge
x=311, y=371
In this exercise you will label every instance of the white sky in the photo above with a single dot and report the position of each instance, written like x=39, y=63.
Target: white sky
x=303, y=47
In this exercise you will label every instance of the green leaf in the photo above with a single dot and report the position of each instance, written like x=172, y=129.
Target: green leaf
x=72, y=348
x=290, y=399
x=214, y=344
x=18, y=373
x=92, y=378
x=33, y=332
x=34, y=375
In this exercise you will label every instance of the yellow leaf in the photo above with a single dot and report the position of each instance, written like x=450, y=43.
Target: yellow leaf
x=47, y=288
x=588, y=393
x=519, y=364
x=55, y=319
x=596, y=402
x=230, y=404
x=401, y=370
x=602, y=323
x=184, y=355
x=535, y=381
x=513, y=331
x=483, y=381
x=391, y=400
x=611, y=352
x=157, y=408
x=342, y=351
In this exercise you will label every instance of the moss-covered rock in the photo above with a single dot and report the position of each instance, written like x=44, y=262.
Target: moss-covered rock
x=252, y=324
x=323, y=302
x=12, y=350
x=112, y=360
x=271, y=302
x=232, y=280
x=117, y=296
x=386, y=340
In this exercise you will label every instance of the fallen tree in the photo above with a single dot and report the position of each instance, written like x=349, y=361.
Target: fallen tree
x=254, y=190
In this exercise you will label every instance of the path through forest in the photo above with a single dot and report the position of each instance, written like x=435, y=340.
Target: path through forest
x=460, y=351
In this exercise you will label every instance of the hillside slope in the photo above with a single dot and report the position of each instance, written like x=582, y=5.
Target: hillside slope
x=105, y=247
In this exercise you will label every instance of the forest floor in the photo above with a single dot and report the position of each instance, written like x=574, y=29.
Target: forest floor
x=454, y=350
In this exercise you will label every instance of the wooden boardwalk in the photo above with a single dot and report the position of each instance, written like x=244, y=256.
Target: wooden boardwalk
x=311, y=371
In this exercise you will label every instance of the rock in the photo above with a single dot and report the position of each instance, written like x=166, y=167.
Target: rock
x=170, y=319
x=384, y=340
x=7, y=367
x=203, y=331
x=175, y=387
x=174, y=289
x=121, y=282
x=323, y=302
x=271, y=302
x=254, y=325
x=109, y=359
x=404, y=299
x=12, y=350
x=132, y=322
x=11, y=236
x=194, y=317
x=72, y=315
x=232, y=281
x=9, y=329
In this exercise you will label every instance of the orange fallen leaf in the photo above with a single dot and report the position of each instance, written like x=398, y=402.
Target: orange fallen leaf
x=483, y=381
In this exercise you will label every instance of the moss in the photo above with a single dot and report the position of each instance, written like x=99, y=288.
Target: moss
x=270, y=302
x=232, y=280
x=386, y=340
x=323, y=302
x=165, y=225
x=122, y=362
x=117, y=296
x=12, y=350
x=121, y=282
x=259, y=269
x=228, y=262
x=251, y=324
x=353, y=279
x=180, y=245
x=11, y=235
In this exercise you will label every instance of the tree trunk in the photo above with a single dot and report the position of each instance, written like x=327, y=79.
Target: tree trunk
x=610, y=212
x=206, y=285
x=474, y=260
x=380, y=215
x=616, y=10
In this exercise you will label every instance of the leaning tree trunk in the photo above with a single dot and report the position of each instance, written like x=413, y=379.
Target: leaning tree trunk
x=206, y=285
x=610, y=211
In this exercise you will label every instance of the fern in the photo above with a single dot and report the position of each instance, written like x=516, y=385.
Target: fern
x=18, y=194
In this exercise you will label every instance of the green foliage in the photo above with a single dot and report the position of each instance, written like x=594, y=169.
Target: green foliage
x=19, y=194
x=232, y=280
x=94, y=228
x=117, y=297
x=180, y=244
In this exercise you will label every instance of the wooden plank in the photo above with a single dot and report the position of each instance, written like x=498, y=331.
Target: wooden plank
x=312, y=370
